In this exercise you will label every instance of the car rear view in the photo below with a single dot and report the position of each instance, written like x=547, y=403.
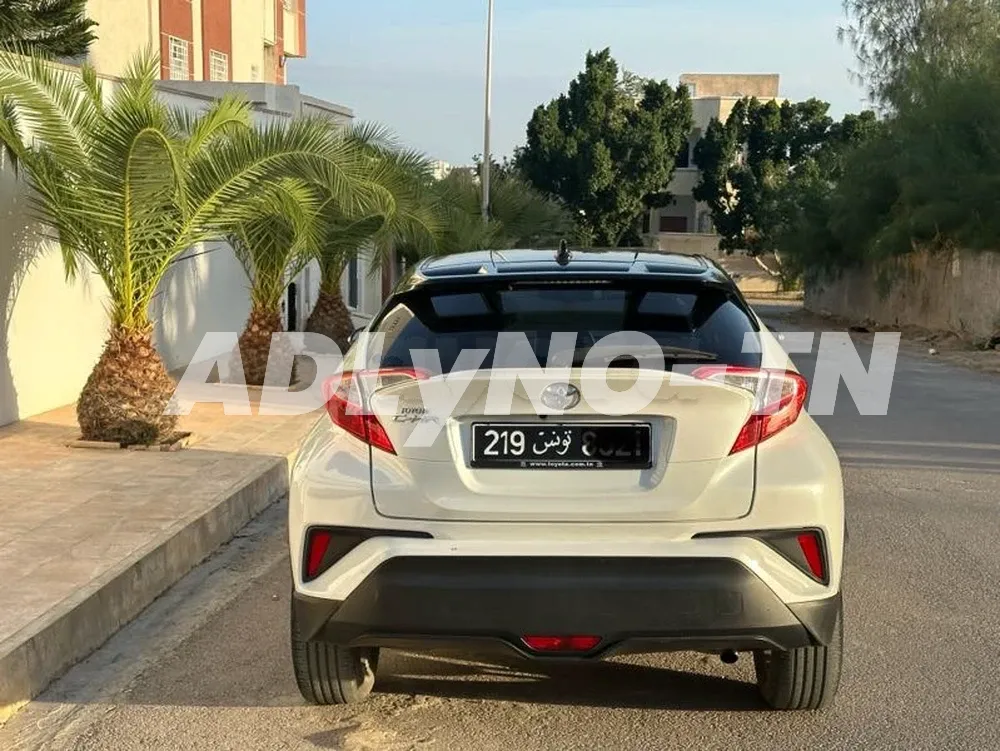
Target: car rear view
x=569, y=457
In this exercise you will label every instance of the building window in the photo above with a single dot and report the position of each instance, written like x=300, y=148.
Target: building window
x=218, y=66
x=692, y=89
x=645, y=221
x=673, y=224
x=683, y=160
x=254, y=72
x=353, y=283
x=180, y=68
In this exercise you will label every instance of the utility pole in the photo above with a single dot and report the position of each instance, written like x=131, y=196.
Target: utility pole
x=487, y=158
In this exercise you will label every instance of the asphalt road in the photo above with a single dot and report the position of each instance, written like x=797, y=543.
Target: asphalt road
x=207, y=667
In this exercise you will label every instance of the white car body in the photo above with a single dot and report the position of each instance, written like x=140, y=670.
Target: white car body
x=697, y=502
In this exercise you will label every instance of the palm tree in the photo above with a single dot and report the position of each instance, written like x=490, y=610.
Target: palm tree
x=130, y=184
x=520, y=216
x=407, y=214
x=274, y=244
x=50, y=28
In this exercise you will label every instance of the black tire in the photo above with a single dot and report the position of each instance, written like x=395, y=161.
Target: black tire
x=331, y=674
x=804, y=678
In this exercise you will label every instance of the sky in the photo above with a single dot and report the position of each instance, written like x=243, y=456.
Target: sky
x=418, y=66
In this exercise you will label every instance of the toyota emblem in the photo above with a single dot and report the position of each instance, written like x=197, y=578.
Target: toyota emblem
x=560, y=396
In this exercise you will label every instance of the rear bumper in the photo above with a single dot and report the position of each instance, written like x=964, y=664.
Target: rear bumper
x=633, y=604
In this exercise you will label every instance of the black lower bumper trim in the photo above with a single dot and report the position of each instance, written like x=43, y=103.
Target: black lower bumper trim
x=634, y=604
x=818, y=617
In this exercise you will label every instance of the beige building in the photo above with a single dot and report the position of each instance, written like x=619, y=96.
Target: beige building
x=686, y=224
x=201, y=40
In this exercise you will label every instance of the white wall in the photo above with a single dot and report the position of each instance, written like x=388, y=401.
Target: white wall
x=205, y=290
x=307, y=286
x=51, y=332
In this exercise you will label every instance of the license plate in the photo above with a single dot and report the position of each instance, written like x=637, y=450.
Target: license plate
x=561, y=446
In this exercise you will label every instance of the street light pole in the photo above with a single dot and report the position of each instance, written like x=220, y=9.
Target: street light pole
x=487, y=159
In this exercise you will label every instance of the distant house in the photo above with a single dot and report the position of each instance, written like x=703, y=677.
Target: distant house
x=686, y=225
x=440, y=170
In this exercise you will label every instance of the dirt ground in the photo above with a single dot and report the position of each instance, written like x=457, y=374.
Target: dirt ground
x=938, y=345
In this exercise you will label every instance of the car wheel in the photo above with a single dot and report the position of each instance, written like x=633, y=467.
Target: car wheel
x=804, y=678
x=332, y=674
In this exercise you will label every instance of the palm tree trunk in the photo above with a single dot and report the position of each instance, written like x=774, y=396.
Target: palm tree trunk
x=126, y=395
x=254, y=348
x=330, y=317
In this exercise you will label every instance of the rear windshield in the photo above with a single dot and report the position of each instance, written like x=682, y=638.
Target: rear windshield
x=688, y=324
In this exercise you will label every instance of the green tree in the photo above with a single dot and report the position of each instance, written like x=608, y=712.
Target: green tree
x=746, y=160
x=49, y=28
x=925, y=176
x=894, y=39
x=936, y=169
x=604, y=152
x=129, y=185
x=818, y=214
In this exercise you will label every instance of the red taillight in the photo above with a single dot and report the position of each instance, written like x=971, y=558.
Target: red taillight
x=812, y=549
x=779, y=396
x=561, y=643
x=317, y=544
x=344, y=403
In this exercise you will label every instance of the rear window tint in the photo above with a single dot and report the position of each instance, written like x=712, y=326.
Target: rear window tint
x=462, y=304
x=705, y=320
x=667, y=303
x=527, y=301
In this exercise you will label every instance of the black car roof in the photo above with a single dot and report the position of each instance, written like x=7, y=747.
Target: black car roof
x=580, y=263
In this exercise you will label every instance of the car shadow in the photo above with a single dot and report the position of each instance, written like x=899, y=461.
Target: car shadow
x=592, y=684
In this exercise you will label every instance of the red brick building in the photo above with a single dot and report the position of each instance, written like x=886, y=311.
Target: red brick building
x=202, y=40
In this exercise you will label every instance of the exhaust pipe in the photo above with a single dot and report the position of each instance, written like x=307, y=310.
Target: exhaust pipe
x=729, y=657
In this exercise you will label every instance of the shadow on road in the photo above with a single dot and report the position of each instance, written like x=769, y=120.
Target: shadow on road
x=591, y=684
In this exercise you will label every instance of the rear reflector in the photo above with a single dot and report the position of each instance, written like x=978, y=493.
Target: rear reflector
x=324, y=547
x=812, y=549
x=317, y=544
x=561, y=643
x=779, y=396
x=805, y=549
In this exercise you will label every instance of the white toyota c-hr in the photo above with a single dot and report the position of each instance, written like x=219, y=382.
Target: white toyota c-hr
x=478, y=482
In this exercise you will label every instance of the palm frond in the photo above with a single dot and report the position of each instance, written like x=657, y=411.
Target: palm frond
x=50, y=103
x=228, y=170
x=230, y=112
x=279, y=240
x=394, y=207
x=90, y=84
x=11, y=137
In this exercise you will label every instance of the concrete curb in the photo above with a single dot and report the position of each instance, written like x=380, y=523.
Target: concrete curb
x=41, y=652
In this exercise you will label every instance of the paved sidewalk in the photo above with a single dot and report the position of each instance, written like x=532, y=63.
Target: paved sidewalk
x=89, y=537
